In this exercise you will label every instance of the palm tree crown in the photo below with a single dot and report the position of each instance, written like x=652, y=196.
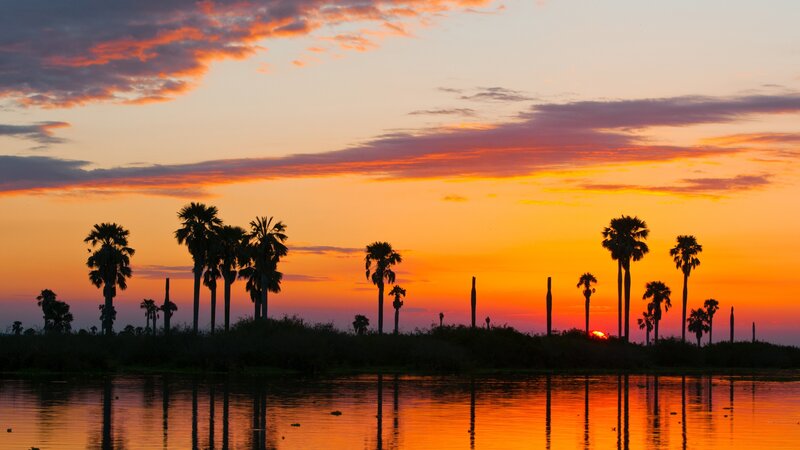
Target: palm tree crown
x=698, y=323
x=379, y=259
x=685, y=252
x=264, y=250
x=110, y=264
x=586, y=281
x=660, y=295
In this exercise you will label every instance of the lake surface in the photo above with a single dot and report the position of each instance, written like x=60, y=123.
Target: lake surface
x=391, y=412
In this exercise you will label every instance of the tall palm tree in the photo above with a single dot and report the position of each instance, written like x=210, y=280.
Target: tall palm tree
x=111, y=265
x=646, y=323
x=45, y=300
x=198, y=222
x=264, y=251
x=213, y=273
x=624, y=237
x=168, y=308
x=698, y=323
x=586, y=280
x=253, y=285
x=612, y=242
x=383, y=257
x=232, y=255
x=397, y=292
x=16, y=328
x=711, y=307
x=685, y=256
x=659, y=293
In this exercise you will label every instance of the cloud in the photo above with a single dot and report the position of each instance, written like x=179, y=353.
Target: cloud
x=324, y=249
x=62, y=54
x=454, y=198
x=548, y=137
x=159, y=272
x=465, y=112
x=303, y=278
x=496, y=94
x=40, y=132
x=713, y=187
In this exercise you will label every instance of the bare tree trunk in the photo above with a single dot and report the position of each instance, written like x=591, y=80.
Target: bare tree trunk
x=473, y=301
x=227, y=295
x=627, y=301
x=380, y=307
x=167, y=310
x=619, y=298
x=656, y=330
x=549, y=301
x=198, y=272
x=587, y=315
x=685, y=301
x=213, y=289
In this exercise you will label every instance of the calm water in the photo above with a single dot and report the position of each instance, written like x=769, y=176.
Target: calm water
x=602, y=412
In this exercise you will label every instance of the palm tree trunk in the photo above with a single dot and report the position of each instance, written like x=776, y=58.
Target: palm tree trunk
x=155, y=317
x=263, y=299
x=227, y=295
x=619, y=298
x=710, y=329
x=647, y=337
x=108, y=325
x=587, y=315
x=257, y=309
x=198, y=272
x=685, y=301
x=213, y=289
x=380, y=308
x=264, y=305
x=656, y=330
x=396, y=319
x=698, y=341
x=627, y=301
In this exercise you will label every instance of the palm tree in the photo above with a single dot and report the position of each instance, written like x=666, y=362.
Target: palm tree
x=150, y=312
x=660, y=293
x=625, y=239
x=198, y=222
x=213, y=273
x=360, y=324
x=441, y=319
x=586, y=280
x=646, y=323
x=685, y=256
x=231, y=251
x=711, y=307
x=45, y=300
x=16, y=328
x=264, y=250
x=61, y=318
x=110, y=264
x=383, y=257
x=398, y=293
x=168, y=308
x=107, y=313
x=698, y=323
x=612, y=242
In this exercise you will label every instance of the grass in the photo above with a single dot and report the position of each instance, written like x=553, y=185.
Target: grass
x=291, y=345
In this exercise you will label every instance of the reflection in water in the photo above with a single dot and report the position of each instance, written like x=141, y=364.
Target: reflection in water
x=427, y=412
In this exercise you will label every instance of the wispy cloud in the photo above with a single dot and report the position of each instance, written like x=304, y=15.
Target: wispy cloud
x=454, y=198
x=496, y=94
x=40, y=132
x=710, y=187
x=465, y=112
x=324, y=249
x=80, y=51
x=548, y=137
x=159, y=272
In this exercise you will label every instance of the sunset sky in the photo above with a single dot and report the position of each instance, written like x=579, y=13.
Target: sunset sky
x=485, y=138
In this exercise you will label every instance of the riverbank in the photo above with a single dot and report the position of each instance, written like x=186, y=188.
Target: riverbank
x=291, y=346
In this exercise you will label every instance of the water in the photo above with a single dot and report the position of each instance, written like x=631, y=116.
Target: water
x=390, y=412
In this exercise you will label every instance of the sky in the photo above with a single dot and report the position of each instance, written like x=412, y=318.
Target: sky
x=480, y=138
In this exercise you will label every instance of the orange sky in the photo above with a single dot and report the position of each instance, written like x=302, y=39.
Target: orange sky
x=496, y=145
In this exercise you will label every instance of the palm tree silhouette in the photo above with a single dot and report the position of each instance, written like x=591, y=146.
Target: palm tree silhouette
x=107, y=313
x=93, y=330
x=168, y=308
x=397, y=292
x=150, y=312
x=384, y=257
x=16, y=328
x=660, y=294
x=488, y=322
x=441, y=319
x=198, y=223
x=586, y=280
x=624, y=238
x=698, y=323
x=213, y=273
x=360, y=324
x=232, y=255
x=110, y=264
x=646, y=323
x=711, y=307
x=45, y=300
x=60, y=318
x=685, y=256
x=265, y=249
